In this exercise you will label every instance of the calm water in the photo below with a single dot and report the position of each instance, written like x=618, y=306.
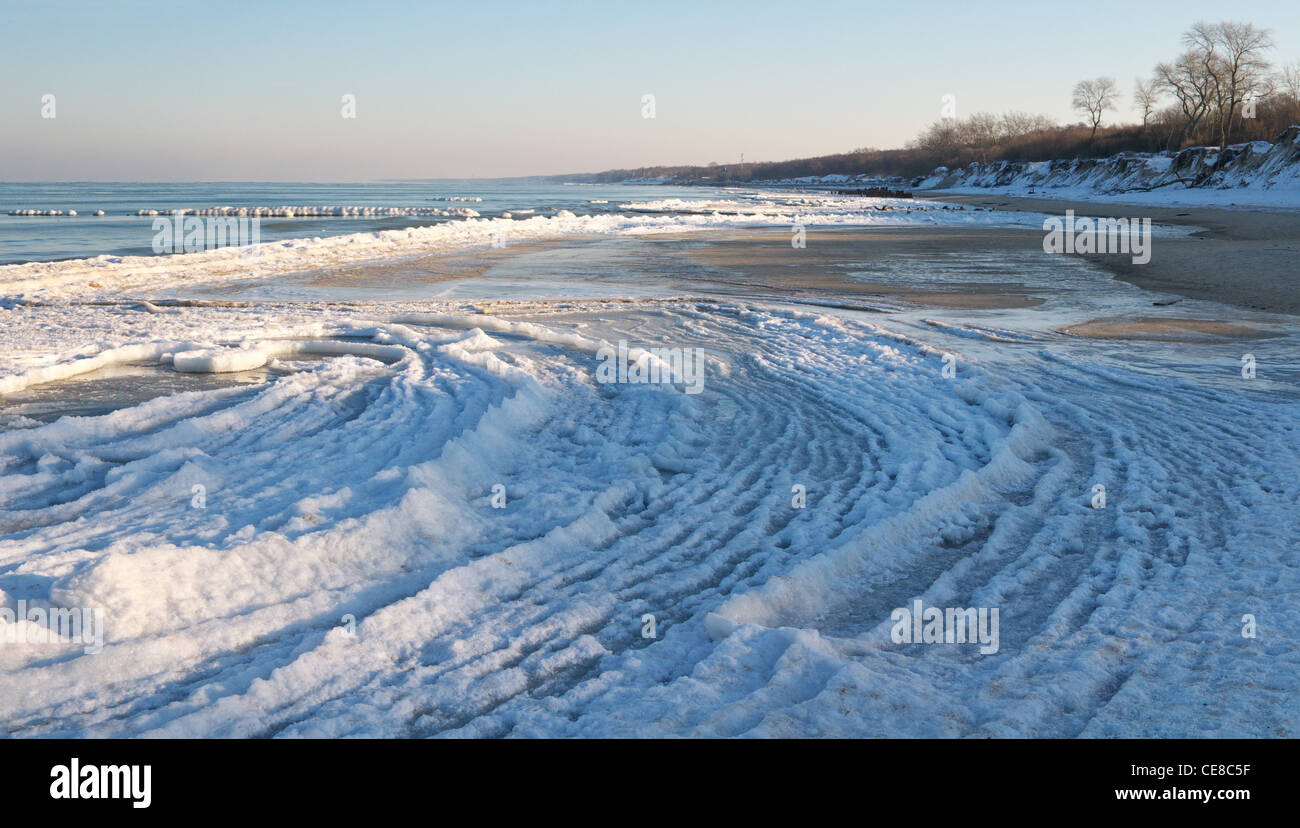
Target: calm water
x=41, y=238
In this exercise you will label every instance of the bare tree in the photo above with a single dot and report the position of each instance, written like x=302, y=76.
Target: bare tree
x=1190, y=84
x=979, y=133
x=1093, y=97
x=1289, y=81
x=1016, y=124
x=1231, y=54
x=941, y=137
x=981, y=130
x=1146, y=97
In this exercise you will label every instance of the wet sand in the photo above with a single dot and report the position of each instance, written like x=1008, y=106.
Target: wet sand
x=1165, y=330
x=762, y=262
x=1236, y=261
x=1242, y=258
x=1247, y=258
x=425, y=269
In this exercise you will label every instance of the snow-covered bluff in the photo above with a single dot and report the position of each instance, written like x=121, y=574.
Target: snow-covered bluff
x=1257, y=165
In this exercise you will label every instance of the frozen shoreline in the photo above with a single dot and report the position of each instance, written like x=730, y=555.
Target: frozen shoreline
x=38, y=281
x=351, y=489
x=350, y=571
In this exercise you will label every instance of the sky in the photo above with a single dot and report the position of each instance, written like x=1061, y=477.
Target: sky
x=231, y=91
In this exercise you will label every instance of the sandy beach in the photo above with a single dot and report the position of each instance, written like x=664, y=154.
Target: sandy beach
x=837, y=263
x=1244, y=257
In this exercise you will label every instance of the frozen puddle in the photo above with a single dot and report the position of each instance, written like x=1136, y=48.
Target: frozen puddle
x=118, y=385
x=475, y=548
x=109, y=389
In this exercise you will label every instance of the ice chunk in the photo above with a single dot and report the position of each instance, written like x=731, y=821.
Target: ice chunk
x=218, y=360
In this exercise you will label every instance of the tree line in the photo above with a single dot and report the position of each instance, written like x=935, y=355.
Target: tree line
x=1222, y=89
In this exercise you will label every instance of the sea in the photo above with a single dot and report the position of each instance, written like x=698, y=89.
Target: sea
x=122, y=231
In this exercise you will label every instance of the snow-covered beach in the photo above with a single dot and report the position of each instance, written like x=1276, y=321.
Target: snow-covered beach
x=399, y=505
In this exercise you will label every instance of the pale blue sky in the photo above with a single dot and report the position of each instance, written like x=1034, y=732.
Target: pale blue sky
x=185, y=90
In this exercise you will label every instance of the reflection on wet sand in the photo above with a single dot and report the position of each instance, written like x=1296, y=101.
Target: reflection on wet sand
x=1166, y=330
